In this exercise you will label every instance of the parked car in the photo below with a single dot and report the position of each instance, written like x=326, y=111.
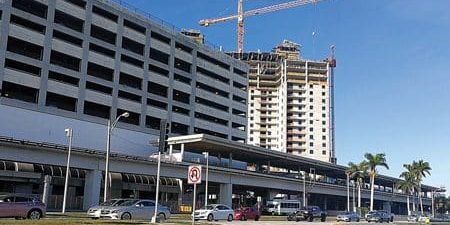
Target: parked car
x=214, y=212
x=94, y=212
x=348, y=217
x=309, y=213
x=413, y=218
x=21, y=206
x=378, y=216
x=135, y=209
x=247, y=213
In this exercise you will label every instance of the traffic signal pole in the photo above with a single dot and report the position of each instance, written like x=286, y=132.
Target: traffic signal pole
x=163, y=136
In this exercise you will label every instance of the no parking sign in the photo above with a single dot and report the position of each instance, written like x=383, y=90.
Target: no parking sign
x=195, y=174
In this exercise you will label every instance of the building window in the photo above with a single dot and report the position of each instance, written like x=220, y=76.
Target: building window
x=324, y=152
x=311, y=129
x=157, y=89
x=311, y=114
x=133, y=117
x=65, y=61
x=311, y=100
x=159, y=56
x=134, y=26
x=31, y=6
x=132, y=46
x=311, y=107
x=105, y=14
x=69, y=21
x=323, y=100
x=324, y=130
x=311, y=137
x=103, y=34
x=152, y=122
x=324, y=137
x=310, y=93
x=61, y=102
x=24, y=48
x=324, y=122
x=311, y=122
x=19, y=92
x=97, y=110
x=323, y=93
x=323, y=108
x=323, y=115
x=324, y=145
x=311, y=152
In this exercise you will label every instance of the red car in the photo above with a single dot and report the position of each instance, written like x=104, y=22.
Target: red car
x=247, y=213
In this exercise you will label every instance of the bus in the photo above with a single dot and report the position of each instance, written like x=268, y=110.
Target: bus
x=283, y=206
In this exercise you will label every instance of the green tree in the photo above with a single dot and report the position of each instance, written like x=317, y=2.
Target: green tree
x=408, y=185
x=374, y=161
x=419, y=170
x=358, y=172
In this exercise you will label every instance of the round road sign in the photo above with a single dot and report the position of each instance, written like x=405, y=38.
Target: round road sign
x=194, y=174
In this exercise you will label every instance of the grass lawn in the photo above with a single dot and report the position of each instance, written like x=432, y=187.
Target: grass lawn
x=80, y=218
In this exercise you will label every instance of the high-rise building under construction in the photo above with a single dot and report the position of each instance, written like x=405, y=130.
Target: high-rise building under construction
x=291, y=102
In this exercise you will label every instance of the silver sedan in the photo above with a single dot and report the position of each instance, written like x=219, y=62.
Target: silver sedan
x=136, y=209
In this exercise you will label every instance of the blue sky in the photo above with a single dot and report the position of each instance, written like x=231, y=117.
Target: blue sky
x=392, y=82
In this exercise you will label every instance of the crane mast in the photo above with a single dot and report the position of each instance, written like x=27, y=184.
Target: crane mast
x=241, y=14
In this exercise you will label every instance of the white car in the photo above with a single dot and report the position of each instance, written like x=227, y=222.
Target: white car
x=135, y=209
x=94, y=211
x=214, y=212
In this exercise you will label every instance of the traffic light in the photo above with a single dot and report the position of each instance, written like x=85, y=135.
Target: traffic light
x=164, y=130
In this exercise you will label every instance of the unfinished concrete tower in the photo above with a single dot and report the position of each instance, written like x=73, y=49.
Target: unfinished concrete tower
x=290, y=102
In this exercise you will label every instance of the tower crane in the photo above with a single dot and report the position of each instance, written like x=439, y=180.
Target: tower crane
x=241, y=14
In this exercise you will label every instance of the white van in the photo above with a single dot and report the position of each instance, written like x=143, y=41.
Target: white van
x=283, y=207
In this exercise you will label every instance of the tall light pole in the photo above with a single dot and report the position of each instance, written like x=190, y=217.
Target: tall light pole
x=206, y=180
x=348, y=192
x=69, y=134
x=111, y=126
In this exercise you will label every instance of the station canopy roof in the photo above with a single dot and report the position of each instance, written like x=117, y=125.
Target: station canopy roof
x=199, y=143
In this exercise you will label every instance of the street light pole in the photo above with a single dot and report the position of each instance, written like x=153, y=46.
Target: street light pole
x=348, y=192
x=69, y=134
x=111, y=126
x=207, y=171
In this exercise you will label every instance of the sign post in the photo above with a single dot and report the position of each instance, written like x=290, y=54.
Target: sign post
x=194, y=177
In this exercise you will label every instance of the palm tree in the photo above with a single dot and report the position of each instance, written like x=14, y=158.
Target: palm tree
x=407, y=185
x=358, y=172
x=419, y=170
x=372, y=162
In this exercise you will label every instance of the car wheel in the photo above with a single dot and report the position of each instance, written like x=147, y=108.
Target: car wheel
x=243, y=218
x=125, y=216
x=161, y=217
x=34, y=214
x=311, y=218
x=323, y=218
x=256, y=218
x=357, y=220
x=230, y=218
x=210, y=217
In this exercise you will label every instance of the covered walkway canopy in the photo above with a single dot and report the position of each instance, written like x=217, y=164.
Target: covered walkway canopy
x=199, y=143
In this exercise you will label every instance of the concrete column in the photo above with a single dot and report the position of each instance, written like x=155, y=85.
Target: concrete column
x=226, y=194
x=180, y=193
x=47, y=188
x=92, y=185
x=387, y=206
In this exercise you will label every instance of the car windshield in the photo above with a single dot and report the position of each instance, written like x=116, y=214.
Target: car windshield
x=210, y=207
x=108, y=203
x=348, y=213
x=128, y=203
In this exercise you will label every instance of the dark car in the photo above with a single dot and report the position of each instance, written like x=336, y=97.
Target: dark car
x=21, y=206
x=309, y=214
x=378, y=216
x=247, y=213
